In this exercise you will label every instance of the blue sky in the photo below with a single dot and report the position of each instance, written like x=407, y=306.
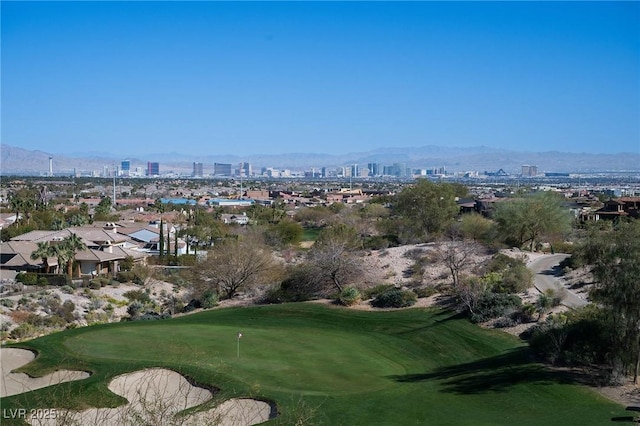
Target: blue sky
x=320, y=77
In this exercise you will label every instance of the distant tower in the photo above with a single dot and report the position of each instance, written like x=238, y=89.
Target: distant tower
x=50, y=166
x=125, y=167
x=197, y=170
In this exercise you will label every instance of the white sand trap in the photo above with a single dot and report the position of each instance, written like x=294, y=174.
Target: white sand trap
x=16, y=383
x=155, y=397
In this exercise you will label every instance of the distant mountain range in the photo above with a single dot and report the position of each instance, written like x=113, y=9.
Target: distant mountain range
x=15, y=160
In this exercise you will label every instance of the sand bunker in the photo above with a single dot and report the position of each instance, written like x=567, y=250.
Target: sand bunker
x=156, y=396
x=16, y=383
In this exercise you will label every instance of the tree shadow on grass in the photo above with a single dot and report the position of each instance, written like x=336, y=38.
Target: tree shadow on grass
x=494, y=374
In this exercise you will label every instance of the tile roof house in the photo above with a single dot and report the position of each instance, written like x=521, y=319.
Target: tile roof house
x=620, y=207
x=105, y=249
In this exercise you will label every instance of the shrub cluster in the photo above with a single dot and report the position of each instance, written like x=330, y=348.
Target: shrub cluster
x=493, y=305
x=394, y=298
x=349, y=296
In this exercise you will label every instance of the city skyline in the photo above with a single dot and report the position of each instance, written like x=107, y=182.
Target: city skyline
x=320, y=77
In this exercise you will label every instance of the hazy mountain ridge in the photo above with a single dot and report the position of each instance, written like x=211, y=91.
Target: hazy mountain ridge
x=15, y=160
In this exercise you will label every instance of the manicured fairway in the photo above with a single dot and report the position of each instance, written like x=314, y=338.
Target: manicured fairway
x=342, y=367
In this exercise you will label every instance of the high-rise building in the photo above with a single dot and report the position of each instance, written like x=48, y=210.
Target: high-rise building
x=220, y=169
x=197, y=170
x=244, y=169
x=153, y=169
x=529, y=171
x=374, y=169
x=125, y=167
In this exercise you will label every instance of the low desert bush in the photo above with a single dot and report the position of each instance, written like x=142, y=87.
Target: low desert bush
x=27, y=278
x=209, y=299
x=349, y=296
x=493, y=305
x=425, y=291
x=394, y=298
x=137, y=295
x=23, y=331
x=373, y=292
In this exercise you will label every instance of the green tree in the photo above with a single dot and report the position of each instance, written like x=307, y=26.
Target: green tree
x=476, y=227
x=523, y=221
x=104, y=206
x=426, y=208
x=614, y=257
x=284, y=233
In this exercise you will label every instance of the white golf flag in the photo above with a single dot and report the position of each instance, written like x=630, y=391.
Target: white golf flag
x=239, y=335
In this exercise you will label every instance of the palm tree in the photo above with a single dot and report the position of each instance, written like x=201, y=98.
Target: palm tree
x=72, y=245
x=61, y=253
x=43, y=251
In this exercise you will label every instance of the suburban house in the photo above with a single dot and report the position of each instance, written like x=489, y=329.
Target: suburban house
x=240, y=219
x=105, y=249
x=619, y=207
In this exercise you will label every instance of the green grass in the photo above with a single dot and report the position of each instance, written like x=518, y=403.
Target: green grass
x=311, y=234
x=347, y=367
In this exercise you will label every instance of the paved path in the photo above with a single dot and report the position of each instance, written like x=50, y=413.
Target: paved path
x=546, y=273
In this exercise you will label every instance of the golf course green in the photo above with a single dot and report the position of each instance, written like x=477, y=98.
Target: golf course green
x=329, y=365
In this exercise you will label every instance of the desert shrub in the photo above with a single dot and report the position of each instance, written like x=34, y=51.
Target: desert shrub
x=97, y=283
x=283, y=233
x=153, y=316
x=137, y=295
x=45, y=321
x=505, y=322
x=42, y=282
x=23, y=331
x=572, y=262
x=287, y=291
x=373, y=292
x=394, y=298
x=95, y=303
x=527, y=312
x=516, y=279
x=414, y=253
x=125, y=276
x=7, y=303
x=349, y=296
x=49, y=302
x=27, y=278
x=500, y=262
x=425, y=291
x=135, y=309
x=67, y=289
x=493, y=305
x=301, y=284
x=563, y=247
x=209, y=299
x=95, y=317
x=137, y=275
x=376, y=242
x=508, y=275
x=581, y=337
x=127, y=263
x=192, y=305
